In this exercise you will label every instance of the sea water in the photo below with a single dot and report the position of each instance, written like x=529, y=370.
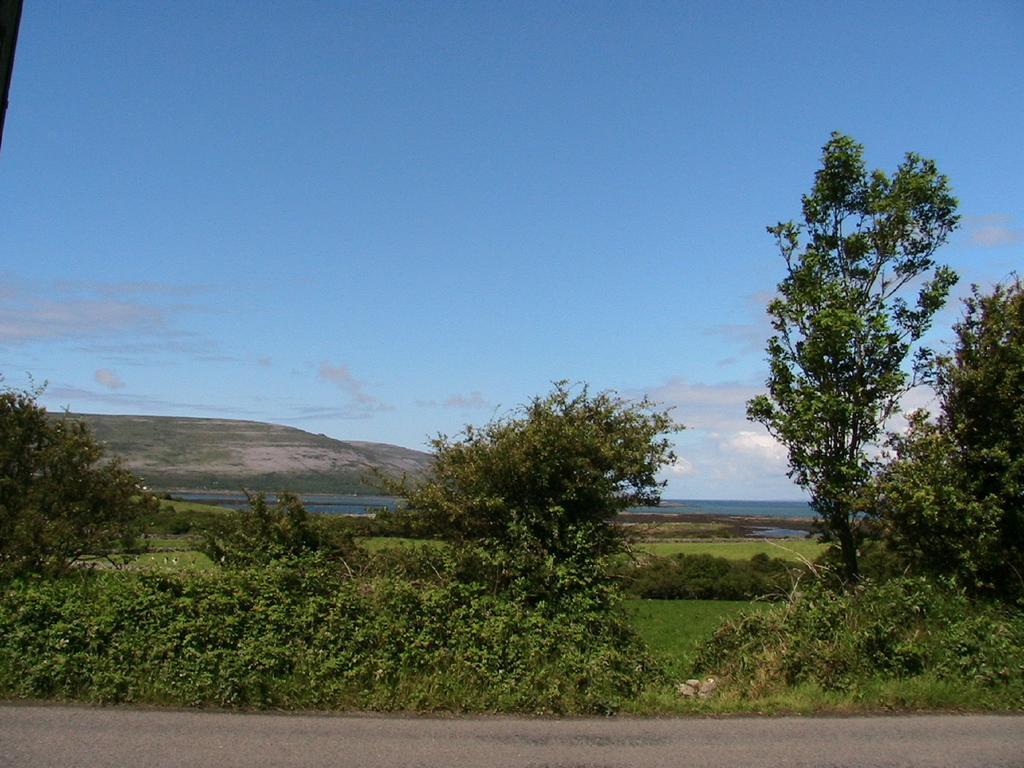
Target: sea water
x=729, y=507
x=341, y=504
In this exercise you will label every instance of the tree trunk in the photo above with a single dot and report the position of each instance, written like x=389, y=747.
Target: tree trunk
x=848, y=547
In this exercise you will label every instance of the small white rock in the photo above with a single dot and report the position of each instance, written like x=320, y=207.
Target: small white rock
x=707, y=688
x=686, y=690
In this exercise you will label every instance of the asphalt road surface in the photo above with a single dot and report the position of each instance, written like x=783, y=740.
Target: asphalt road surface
x=37, y=736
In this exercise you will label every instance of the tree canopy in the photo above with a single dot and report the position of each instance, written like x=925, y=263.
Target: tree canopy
x=845, y=325
x=59, y=499
x=952, y=498
x=548, y=479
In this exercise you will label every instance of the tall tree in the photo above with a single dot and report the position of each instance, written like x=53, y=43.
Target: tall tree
x=845, y=325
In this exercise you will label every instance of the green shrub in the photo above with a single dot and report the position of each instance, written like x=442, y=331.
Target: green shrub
x=182, y=517
x=278, y=636
x=539, y=490
x=706, y=577
x=264, y=533
x=841, y=640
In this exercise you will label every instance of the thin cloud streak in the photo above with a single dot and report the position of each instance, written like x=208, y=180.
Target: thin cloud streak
x=68, y=396
x=44, y=320
x=994, y=230
x=105, y=318
x=706, y=406
x=473, y=401
x=342, y=378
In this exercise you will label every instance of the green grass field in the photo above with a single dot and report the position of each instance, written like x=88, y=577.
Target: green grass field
x=673, y=629
x=740, y=549
x=174, y=505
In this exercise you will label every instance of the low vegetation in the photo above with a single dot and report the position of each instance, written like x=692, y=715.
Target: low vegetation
x=515, y=613
x=923, y=641
x=309, y=637
x=705, y=577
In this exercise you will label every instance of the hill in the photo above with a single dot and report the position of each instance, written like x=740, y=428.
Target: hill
x=226, y=454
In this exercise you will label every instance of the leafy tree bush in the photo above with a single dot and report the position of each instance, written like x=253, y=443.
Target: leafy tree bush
x=264, y=533
x=59, y=500
x=537, y=491
x=844, y=325
x=844, y=640
x=952, y=498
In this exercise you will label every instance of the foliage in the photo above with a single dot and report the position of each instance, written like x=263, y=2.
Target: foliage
x=538, y=491
x=843, y=326
x=705, y=577
x=953, y=496
x=59, y=501
x=180, y=517
x=264, y=533
x=841, y=640
x=281, y=637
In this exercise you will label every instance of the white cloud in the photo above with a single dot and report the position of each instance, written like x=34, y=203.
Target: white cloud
x=342, y=378
x=681, y=468
x=760, y=445
x=472, y=400
x=108, y=379
x=726, y=456
x=993, y=237
x=994, y=230
x=706, y=406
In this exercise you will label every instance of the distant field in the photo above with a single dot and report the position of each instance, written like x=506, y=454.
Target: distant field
x=673, y=629
x=678, y=530
x=189, y=560
x=180, y=542
x=740, y=549
x=174, y=505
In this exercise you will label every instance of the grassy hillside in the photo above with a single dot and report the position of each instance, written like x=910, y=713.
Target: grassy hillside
x=225, y=454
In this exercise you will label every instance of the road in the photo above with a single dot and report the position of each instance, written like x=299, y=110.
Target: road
x=42, y=736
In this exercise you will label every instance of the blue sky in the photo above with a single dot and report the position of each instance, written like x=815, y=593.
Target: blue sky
x=381, y=221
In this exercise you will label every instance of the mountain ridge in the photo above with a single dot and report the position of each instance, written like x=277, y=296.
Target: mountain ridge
x=177, y=452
